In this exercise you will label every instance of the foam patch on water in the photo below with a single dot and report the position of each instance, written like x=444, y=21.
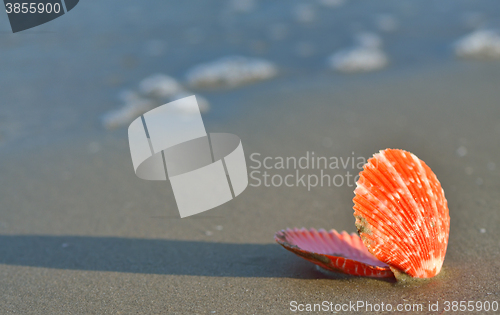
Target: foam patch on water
x=160, y=85
x=203, y=103
x=230, y=71
x=153, y=91
x=479, y=44
x=366, y=55
x=127, y=113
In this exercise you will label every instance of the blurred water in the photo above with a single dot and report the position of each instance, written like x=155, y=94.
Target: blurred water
x=56, y=80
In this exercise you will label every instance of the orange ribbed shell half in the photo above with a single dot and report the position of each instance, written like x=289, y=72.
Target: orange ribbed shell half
x=402, y=214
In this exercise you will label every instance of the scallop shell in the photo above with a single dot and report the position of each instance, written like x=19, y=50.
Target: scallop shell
x=402, y=214
x=339, y=252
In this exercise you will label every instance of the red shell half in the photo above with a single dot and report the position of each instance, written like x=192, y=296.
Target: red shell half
x=402, y=214
x=339, y=252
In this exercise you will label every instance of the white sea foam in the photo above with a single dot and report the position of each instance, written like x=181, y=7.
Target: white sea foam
x=203, y=103
x=160, y=86
x=154, y=91
x=479, y=44
x=127, y=113
x=366, y=56
x=230, y=71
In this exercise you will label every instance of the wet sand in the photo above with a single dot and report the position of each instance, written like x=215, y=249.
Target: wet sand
x=81, y=234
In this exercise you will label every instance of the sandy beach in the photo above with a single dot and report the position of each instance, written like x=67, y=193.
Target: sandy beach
x=80, y=233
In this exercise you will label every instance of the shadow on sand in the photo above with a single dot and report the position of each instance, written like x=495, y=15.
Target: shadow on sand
x=155, y=256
